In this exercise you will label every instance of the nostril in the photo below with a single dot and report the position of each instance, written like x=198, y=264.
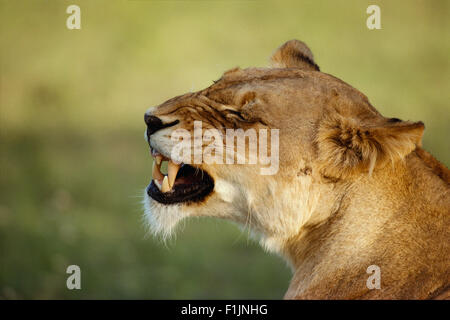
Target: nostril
x=146, y=118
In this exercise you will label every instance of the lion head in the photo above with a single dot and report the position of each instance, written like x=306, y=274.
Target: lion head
x=315, y=131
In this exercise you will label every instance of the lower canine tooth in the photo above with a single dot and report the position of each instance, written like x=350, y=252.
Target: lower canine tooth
x=165, y=185
x=157, y=184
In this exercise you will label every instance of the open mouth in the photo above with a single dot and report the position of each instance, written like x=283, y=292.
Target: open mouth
x=182, y=183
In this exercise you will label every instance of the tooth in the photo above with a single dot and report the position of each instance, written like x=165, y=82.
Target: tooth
x=159, y=158
x=156, y=173
x=157, y=184
x=165, y=185
x=172, y=170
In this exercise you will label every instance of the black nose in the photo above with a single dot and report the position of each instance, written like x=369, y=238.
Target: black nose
x=154, y=124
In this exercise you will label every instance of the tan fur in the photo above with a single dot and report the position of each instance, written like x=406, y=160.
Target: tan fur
x=354, y=188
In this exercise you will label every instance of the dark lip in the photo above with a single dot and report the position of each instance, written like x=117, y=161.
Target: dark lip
x=202, y=185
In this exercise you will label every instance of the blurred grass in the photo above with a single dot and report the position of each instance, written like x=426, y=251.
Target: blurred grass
x=74, y=162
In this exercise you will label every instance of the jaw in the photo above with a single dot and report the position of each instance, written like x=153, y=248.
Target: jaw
x=162, y=219
x=273, y=220
x=226, y=201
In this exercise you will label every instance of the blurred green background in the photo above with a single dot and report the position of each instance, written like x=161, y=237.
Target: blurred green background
x=74, y=162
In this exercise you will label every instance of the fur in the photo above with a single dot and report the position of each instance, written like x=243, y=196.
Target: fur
x=353, y=189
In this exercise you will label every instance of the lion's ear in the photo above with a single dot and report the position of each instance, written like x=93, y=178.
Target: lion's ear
x=346, y=146
x=294, y=54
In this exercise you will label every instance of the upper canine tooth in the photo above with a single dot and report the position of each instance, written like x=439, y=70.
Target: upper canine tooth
x=172, y=170
x=156, y=173
x=159, y=158
x=165, y=185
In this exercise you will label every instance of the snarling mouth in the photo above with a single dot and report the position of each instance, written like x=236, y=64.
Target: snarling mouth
x=182, y=183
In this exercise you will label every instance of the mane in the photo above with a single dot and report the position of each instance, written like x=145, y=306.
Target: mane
x=438, y=168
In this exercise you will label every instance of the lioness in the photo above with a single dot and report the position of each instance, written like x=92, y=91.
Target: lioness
x=354, y=189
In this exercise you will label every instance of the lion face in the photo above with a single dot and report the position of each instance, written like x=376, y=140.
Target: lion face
x=314, y=128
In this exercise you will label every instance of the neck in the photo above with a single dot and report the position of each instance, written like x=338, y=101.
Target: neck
x=395, y=219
